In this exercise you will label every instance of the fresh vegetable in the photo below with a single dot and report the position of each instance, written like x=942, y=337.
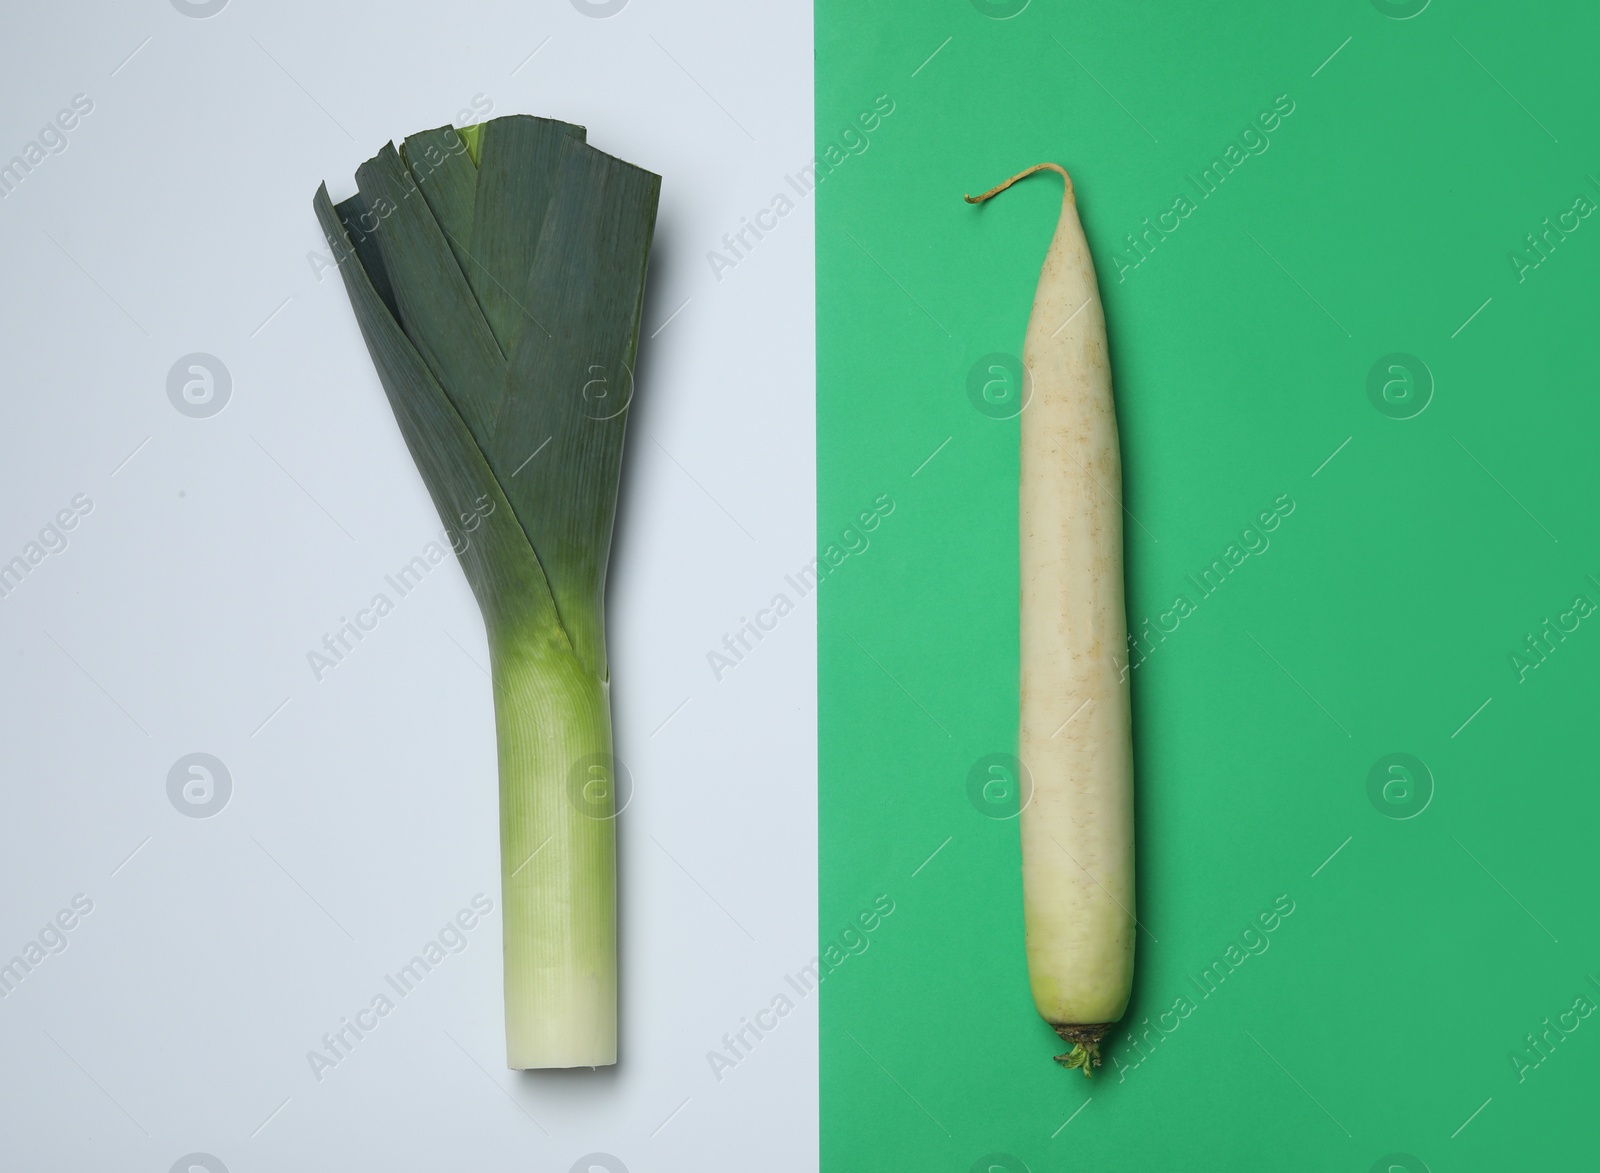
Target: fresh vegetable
x=1076, y=733
x=497, y=275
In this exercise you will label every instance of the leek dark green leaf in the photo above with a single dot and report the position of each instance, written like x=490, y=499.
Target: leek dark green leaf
x=437, y=309
x=449, y=181
x=497, y=275
x=584, y=300
x=520, y=157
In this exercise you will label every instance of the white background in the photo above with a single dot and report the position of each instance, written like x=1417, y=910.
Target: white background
x=220, y=550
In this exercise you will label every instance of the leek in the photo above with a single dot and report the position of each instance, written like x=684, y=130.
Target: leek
x=497, y=275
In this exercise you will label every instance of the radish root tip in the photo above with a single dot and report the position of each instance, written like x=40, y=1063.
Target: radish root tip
x=1085, y=1042
x=1084, y=1055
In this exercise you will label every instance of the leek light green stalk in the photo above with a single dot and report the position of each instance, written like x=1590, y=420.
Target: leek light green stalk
x=1076, y=733
x=497, y=275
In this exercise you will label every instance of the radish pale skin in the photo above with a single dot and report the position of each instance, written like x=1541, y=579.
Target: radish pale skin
x=1075, y=730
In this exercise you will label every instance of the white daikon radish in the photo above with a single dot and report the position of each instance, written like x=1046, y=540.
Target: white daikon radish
x=1076, y=733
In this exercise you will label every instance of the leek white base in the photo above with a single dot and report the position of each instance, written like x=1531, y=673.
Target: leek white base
x=558, y=860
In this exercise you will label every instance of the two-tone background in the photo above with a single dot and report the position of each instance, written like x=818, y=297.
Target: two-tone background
x=1347, y=270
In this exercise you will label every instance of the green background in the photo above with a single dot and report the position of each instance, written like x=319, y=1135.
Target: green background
x=1381, y=618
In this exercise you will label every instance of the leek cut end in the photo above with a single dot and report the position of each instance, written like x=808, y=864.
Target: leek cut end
x=578, y=1032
